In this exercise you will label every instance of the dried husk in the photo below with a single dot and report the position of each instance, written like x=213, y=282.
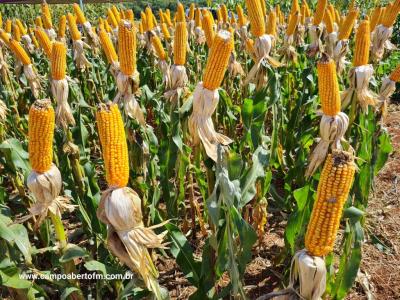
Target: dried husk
x=314, y=32
x=234, y=67
x=243, y=36
x=26, y=39
x=64, y=117
x=387, y=89
x=165, y=70
x=3, y=111
x=200, y=36
x=128, y=90
x=332, y=130
x=178, y=82
x=339, y=55
x=51, y=33
x=128, y=239
x=80, y=59
x=33, y=80
x=381, y=41
x=191, y=25
x=201, y=127
x=93, y=38
x=359, y=86
x=330, y=43
x=288, y=49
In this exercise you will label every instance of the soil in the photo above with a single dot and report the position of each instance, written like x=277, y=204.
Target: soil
x=379, y=275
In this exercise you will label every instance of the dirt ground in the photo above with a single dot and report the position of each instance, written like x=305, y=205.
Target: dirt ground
x=379, y=275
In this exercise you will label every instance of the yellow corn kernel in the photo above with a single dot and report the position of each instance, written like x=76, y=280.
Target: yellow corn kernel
x=331, y=9
x=333, y=189
x=46, y=16
x=165, y=31
x=218, y=59
x=107, y=26
x=108, y=46
x=363, y=43
x=391, y=14
x=80, y=17
x=295, y=7
x=263, y=7
x=161, y=14
x=328, y=20
x=328, y=86
x=122, y=14
x=180, y=43
x=250, y=46
x=5, y=37
x=156, y=42
x=130, y=16
x=16, y=33
x=197, y=17
x=8, y=26
x=302, y=15
x=21, y=27
x=180, y=13
x=207, y=23
x=62, y=24
x=149, y=18
x=40, y=135
x=38, y=21
x=73, y=29
x=116, y=13
x=375, y=17
x=34, y=40
x=167, y=18
x=294, y=20
x=58, y=61
x=219, y=15
x=348, y=24
x=224, y=13
x=1, y=20
x=395, y=75
x=241, y=18
x=113, y=144
x=271, y=28
x=111, y=18
x=44, y=41
x=127, y=47
x=19, y=52
x=319, y=12
x=191, y=11
x=257, y=23
x=143, y=20
x=337, y=17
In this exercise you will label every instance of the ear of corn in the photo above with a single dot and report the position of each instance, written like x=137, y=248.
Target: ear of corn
x=58, y=61
x=111, y=18
x=108, y=47
x=257, y=23
x=73, y=28
x=319, y=12
x=328, y=20
x=375, y=17
x=44, y=41
x=40, y=135
x=218, y=60
x=208, y=28
x=363, y=42
x=191, y=11
x=328, y=86
x=180, y=13
x=21, y=27
x=19, y=52
x=5, y=37
x=62, y=24
x=197, y=17
x=46, y=16
x=271, y=27
x=395, y=75
x=113, y=145
x=8, y=26
x=80, y=17
x=333, y=189
x=263, y=7
x=295, y=7
x=306, y=9
x=294, y=20
x=224, y=13
x=143, y=20
x=241, y=18
x=348, y=24
x=337, y=17
x=16, y=33
x=116, y=13
x=149, y=19
x=1, y=20
x=38, y=22
x=180, y=43
x=127, y=47
x=165, y=31
x=130, y=16
x=156, y=42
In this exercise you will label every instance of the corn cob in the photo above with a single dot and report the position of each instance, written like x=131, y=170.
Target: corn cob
x=16, y=33
x=141, y=30
x=219, y=15
x=331, y=9
x=19, y=52
x=302, y=15
x=294, y=20
x=40, y=135
x=337, y=17
x=143, y=19
x=1, y=20
x=113, y=145
x=38, y=21
x=250, y=46
x=391, y=14
x=130, y=16
x=328, y=87
x=46, y=16
x=44, y=41
x=241, y=18
x=107, y=26
x=180, y=13
x=122, y=14
x=218, y=60
x=347, y=26
x=165, y=31
x=328, y=20
x=62, y=24
x=191, y=11
x=197, y=17
x=257, y=23
x=375, y=17
x=208, y=28
x=363, y=42
x=271, y=28
x=306, y=9
x=58, y=61
x=111, y=18
x=108, y=47
x=333, y=189
x=319, y=12
x=167, y=18
x=156, y=42
x=8, y=26
x=21, y=27
x=149, y=18
x=180, y=43
x=116, y=14
x=224, y=13
x=295, y=7
x=395, y=75
x=263, y=7
x=127, y=48
x=5, y=37
x=73, y=29
x=80, y=17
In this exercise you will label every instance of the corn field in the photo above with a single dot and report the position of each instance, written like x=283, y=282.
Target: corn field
x=131, y=141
